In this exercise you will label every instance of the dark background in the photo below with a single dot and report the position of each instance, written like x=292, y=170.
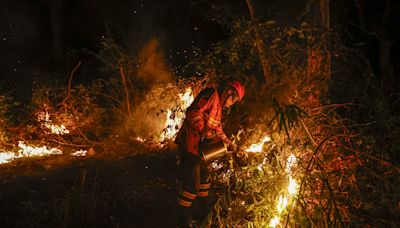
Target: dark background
x=45, y=37
x=40, y=36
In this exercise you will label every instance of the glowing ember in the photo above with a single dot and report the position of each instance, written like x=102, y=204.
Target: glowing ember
x=140, y=139
x=175, y=119
x=44, y=117
x=80, y=153
x=257, y=147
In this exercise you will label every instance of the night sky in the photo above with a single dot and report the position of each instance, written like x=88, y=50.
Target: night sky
x=30, y=43
x=31, y=40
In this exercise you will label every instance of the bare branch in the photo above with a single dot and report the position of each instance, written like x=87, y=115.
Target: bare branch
x=69, y=84
x=128, y=107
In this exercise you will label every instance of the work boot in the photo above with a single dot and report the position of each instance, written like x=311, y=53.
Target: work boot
x=203, y=208
x=185, y=217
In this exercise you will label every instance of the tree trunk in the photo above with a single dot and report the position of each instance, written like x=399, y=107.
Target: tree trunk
x=385, y=65
x=56, y=17
x=385, y=47
x=259, y=43
x=325, y=25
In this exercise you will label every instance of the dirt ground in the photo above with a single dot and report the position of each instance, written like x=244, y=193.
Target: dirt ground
x=132, y=191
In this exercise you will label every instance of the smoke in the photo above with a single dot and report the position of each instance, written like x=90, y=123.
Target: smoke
x=149, y=115
x=153, y=69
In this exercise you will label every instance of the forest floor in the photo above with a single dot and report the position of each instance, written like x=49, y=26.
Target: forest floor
x=133, y=190
x=131, y=186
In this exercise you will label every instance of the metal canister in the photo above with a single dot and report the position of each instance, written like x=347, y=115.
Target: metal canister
x=213, y=149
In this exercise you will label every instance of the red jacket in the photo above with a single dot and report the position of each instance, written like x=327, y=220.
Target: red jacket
x=203, y=119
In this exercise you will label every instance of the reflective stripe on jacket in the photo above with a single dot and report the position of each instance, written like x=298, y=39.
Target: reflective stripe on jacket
x=203, y=118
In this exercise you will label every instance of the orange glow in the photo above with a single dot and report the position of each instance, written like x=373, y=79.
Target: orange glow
x=32, y=151
x=257, y=147
x=274, y=222
x=292, y=189
x=6, y=157
x=282, y=203
x=44, y=118
x=79, y=153
x=140, y=139
x=293, y=186
x=27, y=151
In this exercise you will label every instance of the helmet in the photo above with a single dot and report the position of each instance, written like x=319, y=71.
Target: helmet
x=239, y=88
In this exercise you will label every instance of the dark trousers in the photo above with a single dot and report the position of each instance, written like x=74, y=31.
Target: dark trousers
x=195, y=179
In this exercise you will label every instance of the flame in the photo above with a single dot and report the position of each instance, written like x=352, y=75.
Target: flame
x=293, y=186
x=32, y=151
x=187, y=97
x=170, y=124
x=291, y=189
x=57, y=129
x=44, y=117
x=140, y=139
x=175, y=119
x=282, y=203
x=6, y=157
x=79, y=153
x=257, y=147
x=27, y=151
x=274, y=222
x=290, y=161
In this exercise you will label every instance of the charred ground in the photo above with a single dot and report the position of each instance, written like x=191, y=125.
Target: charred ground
x=132, y=191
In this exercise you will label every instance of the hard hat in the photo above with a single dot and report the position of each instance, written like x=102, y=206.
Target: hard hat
x=239, y=88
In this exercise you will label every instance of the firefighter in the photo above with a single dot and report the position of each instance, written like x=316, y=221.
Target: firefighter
x=203, y=121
